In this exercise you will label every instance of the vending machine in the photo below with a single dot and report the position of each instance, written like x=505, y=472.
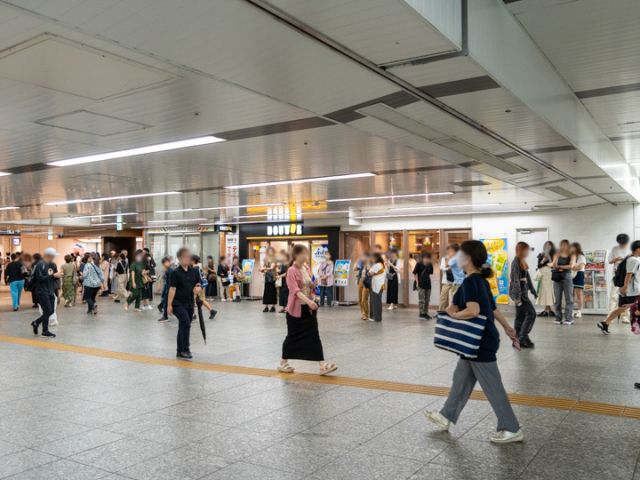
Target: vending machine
x=596, y=283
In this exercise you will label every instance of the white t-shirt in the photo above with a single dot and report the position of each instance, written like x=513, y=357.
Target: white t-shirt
x=616, y=252
x=377, y=281
x=443, y=267
x=580, y=259
x=633, y=266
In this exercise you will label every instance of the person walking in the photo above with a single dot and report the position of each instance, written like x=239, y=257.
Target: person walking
x=545, y=284
x=562, y=266
x=630, y=290
x=121, y=279
x=393, y=278
x=93, y=281
x=422, y=274
x=113, y=277
x=520, y=285
x=69, y=280
x=211, y=290
x=578, y=277
x=362, y=268
x=617, y=254
x=195, y=263
x=184, y=286
x=325, y=272
x=148, y=275
x=105, y=266
x=45, y=273
x=472, y=299
x=284, y=289
x=268, y=268
x=33, y=261
x=376, y=272
x=446, y=281
x=14, y=277
x=164, y=282
x=303, y=337
x=458, y=273
x=135, y=275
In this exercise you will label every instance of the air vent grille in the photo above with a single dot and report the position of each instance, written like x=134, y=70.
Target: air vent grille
x=471, y=183
x=562, y=191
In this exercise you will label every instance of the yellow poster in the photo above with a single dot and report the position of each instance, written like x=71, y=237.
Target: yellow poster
x=498, y=259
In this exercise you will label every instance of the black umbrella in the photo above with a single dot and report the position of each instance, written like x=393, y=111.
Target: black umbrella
x=201, y=318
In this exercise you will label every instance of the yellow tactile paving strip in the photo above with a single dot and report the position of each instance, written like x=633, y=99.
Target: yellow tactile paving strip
x=516, y=398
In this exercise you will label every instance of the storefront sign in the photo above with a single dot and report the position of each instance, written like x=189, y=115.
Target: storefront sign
x=232, y=247
x=282, y=230
x=498, y=259
x=341, y=274
x=247, y=268
x=181, y=230
x=224, y=228
x=10, y=232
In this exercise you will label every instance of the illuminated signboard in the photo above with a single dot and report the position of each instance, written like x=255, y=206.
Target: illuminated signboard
x=282, y=230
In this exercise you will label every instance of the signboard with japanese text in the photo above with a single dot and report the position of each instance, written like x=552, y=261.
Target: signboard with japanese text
x=498, y=259
x=341, y=274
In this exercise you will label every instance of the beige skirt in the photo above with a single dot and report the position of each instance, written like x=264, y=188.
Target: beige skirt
x=545, y=287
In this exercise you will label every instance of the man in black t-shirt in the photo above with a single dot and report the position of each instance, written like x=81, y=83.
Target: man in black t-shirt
x=184, y=284
x=45, y=274
x=422, y=273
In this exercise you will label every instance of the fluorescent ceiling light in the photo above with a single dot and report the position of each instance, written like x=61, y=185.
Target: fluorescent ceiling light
x=274, y=222
x=9, y=208
x=106, y=199
x=221, y=208
x=177, y=221
x=441, y=214
x=447, y=206
x=356, y=199
x=105, y=215
x=154, y=226
x=4, y=174
x=391, y=116
x=106, y=224
x=287, y=214
x=162, y=147
x=303, y=180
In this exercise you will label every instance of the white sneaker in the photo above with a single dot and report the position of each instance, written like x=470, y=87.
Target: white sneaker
x=504, y=436
x=53, y=324
x=223, y=299
x=577, y=314
x=438, y=419
x=625, y=320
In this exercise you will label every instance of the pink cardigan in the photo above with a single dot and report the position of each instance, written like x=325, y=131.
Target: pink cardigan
x=294, y=282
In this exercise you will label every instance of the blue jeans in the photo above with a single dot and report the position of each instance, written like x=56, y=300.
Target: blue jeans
x=329, y=292
x=163, y=302
x=16, y=292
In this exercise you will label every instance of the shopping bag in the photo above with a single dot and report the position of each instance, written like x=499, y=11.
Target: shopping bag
x=459, y=336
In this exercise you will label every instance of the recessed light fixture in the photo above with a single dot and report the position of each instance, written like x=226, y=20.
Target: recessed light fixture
x=221, y=208
x=5, y=174
x=161, y=147
x=447, y=206
x=382, y=197
x=9, y=208
x=154, y=226
x=441, y=214
x=287, y=214
x=303, y=180
x=105, y=215
x=178, y=221
x=106, y=199
x=106, y=224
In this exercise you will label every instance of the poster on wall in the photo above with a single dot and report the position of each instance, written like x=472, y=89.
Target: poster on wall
x=498, y=259
x=317, y=256
x=232, y=247
x=595, y=259
x=247, y=268
x=341, y=274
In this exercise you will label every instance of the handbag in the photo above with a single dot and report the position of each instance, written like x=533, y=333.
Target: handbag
x=459, y=336
x=268, y=277
x=558, y=275
x=450, y=277
x=279, y=282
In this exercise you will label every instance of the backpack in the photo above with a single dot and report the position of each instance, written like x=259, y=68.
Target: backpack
x=30, y=282
x=621, y=273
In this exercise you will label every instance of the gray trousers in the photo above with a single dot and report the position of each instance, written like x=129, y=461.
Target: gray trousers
x=464, y=379
x=424, y=296
x=375, y=305
x=566, y=287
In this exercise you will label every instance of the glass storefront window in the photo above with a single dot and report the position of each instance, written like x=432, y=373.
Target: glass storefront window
x=424, y=241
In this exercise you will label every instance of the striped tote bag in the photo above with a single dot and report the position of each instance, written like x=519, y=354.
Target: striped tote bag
x=459, y=336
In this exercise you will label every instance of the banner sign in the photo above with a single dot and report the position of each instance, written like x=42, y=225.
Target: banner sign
x=232, y=247
x=341, y=274
x=247, y=268
x=498, y=259
x=595, y=259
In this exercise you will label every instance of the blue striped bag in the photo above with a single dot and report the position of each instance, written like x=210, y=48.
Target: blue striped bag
x=459, y=336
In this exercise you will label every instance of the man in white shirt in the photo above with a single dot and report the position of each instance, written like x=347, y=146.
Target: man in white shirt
x=616, y=255
x=630, y=291
x=445, y=284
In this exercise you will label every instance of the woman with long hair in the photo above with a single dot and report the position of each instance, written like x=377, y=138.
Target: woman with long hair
x=303, y=338
x=92, y=281
x=270, y=293
x=578, y=279
x=376, y=272
x=68, y=281
x=394, y=265
x=545, y=284
x=223, y=278
x=212, y=288
x=562, y=265
x=519, y=287
x=474, y=298
x=105, y=267
x=283, y=294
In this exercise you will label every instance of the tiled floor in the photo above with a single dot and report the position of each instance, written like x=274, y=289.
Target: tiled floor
x=72, y=416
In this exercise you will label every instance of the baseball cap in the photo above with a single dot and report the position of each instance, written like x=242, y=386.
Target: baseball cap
x=51, y=251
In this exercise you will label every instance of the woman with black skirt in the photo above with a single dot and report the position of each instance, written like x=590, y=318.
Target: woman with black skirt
x=303, y=338
x=212, y=288
x=393, y=279
x=284, y=289
x=270, y=294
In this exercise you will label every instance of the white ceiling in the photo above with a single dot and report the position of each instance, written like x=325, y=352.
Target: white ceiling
x=234, y=68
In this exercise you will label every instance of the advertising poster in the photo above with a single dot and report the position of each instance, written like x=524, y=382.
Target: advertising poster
x=341, y=274
x=247, y=268
x=499, y=261
x=317, y=256
x=232, y=247
x=595, y=259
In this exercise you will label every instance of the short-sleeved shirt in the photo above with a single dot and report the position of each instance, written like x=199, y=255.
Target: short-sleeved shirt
x=633, y=266
x=458, y=273
x=616, y=252
x=476, y=289
x=424, y=274
x=136, y=269
x=443, y=267
x=184, y=281
x=581, y=259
